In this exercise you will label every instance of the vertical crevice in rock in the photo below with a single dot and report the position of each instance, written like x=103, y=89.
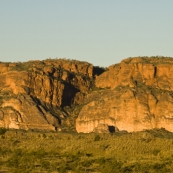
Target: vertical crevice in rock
x=155, y=72
x=68, y=95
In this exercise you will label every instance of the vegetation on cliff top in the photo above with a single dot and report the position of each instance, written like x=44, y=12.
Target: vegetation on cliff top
x=20, y=66
x=151, y=60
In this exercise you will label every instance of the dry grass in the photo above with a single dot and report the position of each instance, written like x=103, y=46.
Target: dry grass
x=149, y=151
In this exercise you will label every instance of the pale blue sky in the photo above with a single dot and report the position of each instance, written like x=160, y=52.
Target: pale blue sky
x=102, y=32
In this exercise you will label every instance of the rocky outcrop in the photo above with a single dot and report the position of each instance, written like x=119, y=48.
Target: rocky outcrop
x=154, y=72
x=140, y=97
x=22, y=112
x=64, y=94
x=33, y=95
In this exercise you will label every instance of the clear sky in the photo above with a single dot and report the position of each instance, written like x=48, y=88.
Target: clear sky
x=102, y=32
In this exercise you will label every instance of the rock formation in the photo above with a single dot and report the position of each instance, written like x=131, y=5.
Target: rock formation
x=33, y=94
x=61, y=94
x=140, y=96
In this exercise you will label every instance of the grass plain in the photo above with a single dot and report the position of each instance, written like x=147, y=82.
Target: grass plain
x=149, y=151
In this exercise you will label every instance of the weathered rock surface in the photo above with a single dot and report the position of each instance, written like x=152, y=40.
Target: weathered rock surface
x=60, y=94
x=140, y=97
x=34, y=94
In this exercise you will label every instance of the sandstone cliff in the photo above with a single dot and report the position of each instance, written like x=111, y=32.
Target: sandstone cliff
x=140, y=96
x=70, y=95
x=33, y=95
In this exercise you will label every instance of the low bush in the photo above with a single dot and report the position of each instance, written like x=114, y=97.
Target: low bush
x=2, y=131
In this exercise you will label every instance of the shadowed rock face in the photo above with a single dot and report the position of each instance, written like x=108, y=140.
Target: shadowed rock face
x=134, y=95
x=140, y=97
x=33, y=94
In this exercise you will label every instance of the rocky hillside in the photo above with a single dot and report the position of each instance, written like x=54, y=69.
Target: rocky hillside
x=136, y=94
x=35, y=94
x=71, y=95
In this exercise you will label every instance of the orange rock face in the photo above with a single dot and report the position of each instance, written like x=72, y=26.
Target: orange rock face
x=140, y=97
x=134, y=95
x=33, y=94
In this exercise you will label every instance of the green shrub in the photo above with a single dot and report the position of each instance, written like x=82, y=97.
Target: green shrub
x=158, y=166
x=97, y=138
x=45, y=164
x=13, y=162
x=2, y=131
x=63, y=168
x=2, y=137
x=112, y=165
x=44, y=135
x=101, y=161
x=156, y=152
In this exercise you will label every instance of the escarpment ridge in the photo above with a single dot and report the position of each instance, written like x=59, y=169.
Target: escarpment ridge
x=34, y=94
x=137, y=94
x=60, y=94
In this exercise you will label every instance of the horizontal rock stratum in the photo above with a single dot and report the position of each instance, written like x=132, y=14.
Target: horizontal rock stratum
x=60, y=94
